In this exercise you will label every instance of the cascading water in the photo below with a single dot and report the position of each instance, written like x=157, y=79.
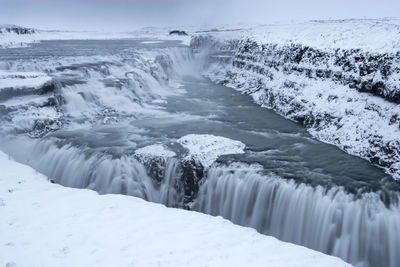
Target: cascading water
x=362, y=231
x=81, y=167
x=109, y=106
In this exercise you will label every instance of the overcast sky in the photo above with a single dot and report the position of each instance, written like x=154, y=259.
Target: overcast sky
x=125, y=15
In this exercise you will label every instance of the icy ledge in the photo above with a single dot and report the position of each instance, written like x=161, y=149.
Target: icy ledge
x=22, y=80
x=206, y=148
x=44, y=224
x=154, y=151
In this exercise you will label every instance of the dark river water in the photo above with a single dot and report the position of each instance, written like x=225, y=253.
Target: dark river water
x=286, y=184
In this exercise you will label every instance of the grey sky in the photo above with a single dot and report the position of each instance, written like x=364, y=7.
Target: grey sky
x=125, y=15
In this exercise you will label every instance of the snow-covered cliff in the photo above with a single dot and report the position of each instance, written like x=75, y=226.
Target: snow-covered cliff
x=341, y=79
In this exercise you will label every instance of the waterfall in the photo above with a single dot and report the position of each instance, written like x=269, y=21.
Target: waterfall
x=81, y=167
x=362, y=231
x=91, y=89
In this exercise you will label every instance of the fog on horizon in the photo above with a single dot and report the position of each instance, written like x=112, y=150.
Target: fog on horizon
x=125, y=15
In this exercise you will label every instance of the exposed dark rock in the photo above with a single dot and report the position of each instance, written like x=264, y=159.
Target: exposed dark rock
x=176, y=32
x=16, y=29
x=193, y=173
x=186, y=176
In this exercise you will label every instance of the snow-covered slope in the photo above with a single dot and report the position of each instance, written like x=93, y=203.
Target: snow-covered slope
x=341, y=79
x=44, y=224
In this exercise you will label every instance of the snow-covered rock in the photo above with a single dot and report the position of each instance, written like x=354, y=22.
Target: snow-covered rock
x=183, y=165
x=156, y=150
x=10, y=28
x=16, y=36
x=206, y=148
x=22, y=80
x=340, y=82
x=44, y=224
x=29, y=99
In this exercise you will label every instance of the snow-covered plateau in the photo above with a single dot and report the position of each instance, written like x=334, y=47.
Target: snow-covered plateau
x=44, y=224
x=341, y=79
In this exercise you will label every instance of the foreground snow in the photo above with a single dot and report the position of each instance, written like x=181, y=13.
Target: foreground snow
x=44, y=224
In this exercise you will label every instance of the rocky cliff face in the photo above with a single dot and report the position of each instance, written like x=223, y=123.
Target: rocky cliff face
x=375, y=73
x=346, y=97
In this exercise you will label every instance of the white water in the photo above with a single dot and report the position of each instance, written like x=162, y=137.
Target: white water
x=362, y=231
x=80, y=167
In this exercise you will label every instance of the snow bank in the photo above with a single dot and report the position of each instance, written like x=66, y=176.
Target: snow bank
x=207, y=148
x=44, y=224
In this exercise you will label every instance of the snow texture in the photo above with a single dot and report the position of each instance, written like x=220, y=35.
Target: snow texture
x=45, y=224
x=155, y=151
x=374, y=35
x=207, y=148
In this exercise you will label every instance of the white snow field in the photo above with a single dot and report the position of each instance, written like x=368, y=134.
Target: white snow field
x=45, y=224
x=374, y=35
